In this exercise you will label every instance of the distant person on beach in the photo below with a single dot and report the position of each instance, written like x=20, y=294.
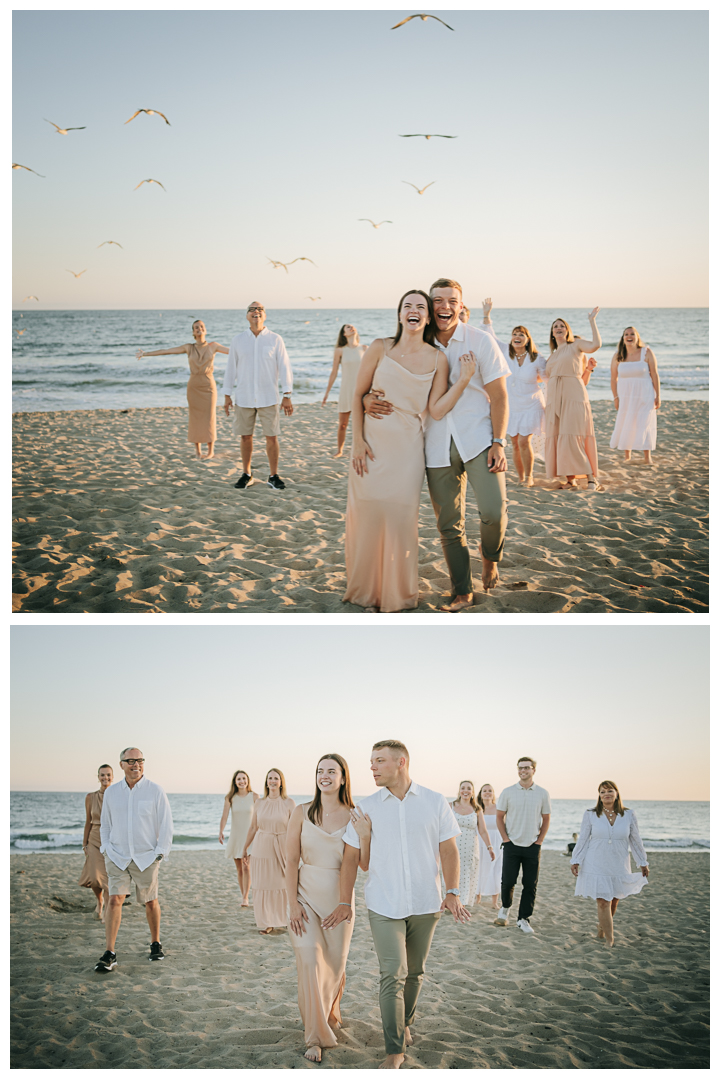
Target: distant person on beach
x=413, y=832
x=201, y=388
x=314, y=856
x=94, y=874
x=239, y=802
x=136, y=835
x=635, y=387
x=465, y=315
x=268, y=830
x=570, y=446
x=348, y=352
x=258, y=360
x=523, y=819
x=601, y=859
x=571, y=846
x=525, y=396
x=464, y=442
x=490, y=871
x=471, y=823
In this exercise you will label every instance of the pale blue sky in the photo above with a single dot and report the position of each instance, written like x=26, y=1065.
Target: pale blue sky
x=578, y=177
x=589, y=703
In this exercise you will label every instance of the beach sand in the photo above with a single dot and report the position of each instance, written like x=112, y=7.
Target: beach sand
x=225, y=997
x=113, y=513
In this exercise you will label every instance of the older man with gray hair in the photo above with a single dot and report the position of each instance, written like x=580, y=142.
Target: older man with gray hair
x=135, y=836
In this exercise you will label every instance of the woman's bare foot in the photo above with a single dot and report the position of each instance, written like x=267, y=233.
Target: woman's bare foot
x=245, y=903
x=490, y=576
x=600, y=933
x=313, y=1053
x=268, y=931
x=530, y=482
x=210, y=455
x=393, y=1061
x=627, y=455
x=339, y=454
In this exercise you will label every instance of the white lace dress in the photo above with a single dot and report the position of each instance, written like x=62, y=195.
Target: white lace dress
x=490, y=872
x=525, y=396
x=603, y=852
x=636, y=421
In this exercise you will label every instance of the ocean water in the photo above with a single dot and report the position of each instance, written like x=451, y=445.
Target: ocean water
x=53, y=821
x=86, y=359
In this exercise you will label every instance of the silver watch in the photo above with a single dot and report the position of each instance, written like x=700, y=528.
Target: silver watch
x=452, y=892
x=503, y=442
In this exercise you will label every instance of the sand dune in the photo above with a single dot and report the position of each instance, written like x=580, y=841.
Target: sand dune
x=114, y=514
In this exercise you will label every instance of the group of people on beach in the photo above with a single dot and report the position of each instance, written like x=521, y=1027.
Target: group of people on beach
x=421, y=855
x=437, y=401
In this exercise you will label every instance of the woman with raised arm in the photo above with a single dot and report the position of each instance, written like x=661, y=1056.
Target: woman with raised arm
x=635, y=387
x=348, y=352
x=240, y=802
x=94, y=874
x=201, y=388
x=388, y=457
x=268, y=830
x=570, y=446
x=490, y=869
x=315, y=839
x=469, y=817
x=601, y=858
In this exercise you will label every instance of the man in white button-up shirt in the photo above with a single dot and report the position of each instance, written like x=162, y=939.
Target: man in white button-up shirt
x=135, y=836
x=413, y=832
x=257, y=361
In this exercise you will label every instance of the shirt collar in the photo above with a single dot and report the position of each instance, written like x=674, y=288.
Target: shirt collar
x=386, y=793
x=458, y=335
x=140, y=781
x=525, y=788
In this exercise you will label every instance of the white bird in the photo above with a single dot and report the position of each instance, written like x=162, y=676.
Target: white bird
x=313, y=297
x=421, y=136
x=277, y=263
x=424, y=19
x=420, y=191
x=376, y=224
x=63, y=131
x=111, y=241
x=148, y=182
x=32, y=298
x=15, y=166
x=77, y=275
x=301, y=258
x=150, y=112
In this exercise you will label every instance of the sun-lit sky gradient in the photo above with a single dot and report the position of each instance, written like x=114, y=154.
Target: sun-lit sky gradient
x=589, y=703
x=579, y=175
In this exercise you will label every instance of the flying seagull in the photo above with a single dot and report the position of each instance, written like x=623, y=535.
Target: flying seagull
x=376, y=224
x=313, y=297
x=277, y=263
x=63, y=131
x=150, y=112
x=77, y=275
x=421, y=136
x=148, y=182
x=15, y=166
x=424, y=19
x=301, y=258
x=111, y=241
x=420, y=191
x=32, y=298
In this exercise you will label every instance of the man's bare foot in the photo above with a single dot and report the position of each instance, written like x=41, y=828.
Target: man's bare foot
x=392, y=1061
x=313, y=1053
x=408, y=1037
x=490, y=575
x=459, y=602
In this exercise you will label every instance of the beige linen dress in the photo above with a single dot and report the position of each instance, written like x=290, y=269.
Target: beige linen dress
x=201, y=395
x=381, y=532
x=241, y=808
x=349, y=367
x=570, y=446
x=320, y=954
x=268, y=862
x=93, y=871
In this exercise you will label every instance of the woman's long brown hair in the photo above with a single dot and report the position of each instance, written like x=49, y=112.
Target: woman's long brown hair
x=345, y=794
x=430, y=329
x=617, y=805
x=233, y=786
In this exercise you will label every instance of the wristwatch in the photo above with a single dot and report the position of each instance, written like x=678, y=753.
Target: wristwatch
x=452, y=892
x=503, y=442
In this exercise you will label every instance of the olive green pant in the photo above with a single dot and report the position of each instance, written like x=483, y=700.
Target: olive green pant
x=402, y=947
x=447, y=487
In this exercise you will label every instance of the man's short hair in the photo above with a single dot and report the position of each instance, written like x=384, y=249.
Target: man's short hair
x=252, y=304
x=393, y=744
x=526, y=757
x=124, y=752
x=446, y=283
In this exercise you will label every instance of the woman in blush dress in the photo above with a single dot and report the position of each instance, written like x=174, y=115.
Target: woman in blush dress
x=201, y=388
x=240, y=802
x=635, y=386
x=570, y=446
x=348, y=352
x=469, y=817
x=490, y=869
x=314, y=854
x=268, y=830
x=601, y=857
x=388, y=457
x=94, y=874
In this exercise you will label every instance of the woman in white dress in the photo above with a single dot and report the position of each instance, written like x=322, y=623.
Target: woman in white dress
x=348, y=353
x=525, y=396
x=239, y=802
x=635, y=387
x=469, y=818
x=490, y=871
x=601, y=857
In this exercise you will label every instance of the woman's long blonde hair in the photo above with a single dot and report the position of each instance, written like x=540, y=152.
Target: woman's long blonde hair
x=283, y=789
x=473, y=800
x=570, y=335
x=480, y=800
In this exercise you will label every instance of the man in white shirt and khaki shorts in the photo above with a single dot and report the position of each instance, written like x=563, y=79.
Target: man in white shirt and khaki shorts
x=523, y=819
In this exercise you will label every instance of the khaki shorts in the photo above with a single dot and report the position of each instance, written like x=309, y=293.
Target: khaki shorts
x=244, y=420
x=121, y=881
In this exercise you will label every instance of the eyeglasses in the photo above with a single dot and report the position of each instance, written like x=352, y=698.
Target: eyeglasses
x=524, y=768
x=134, y=760
x=256, y=309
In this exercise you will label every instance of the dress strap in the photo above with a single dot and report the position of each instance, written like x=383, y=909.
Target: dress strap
x=642, y=352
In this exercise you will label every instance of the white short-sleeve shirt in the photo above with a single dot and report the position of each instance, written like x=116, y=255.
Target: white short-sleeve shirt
x=524, y=808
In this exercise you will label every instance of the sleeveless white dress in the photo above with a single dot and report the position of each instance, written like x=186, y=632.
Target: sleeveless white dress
x=490, y=872
x=603, y=852
x=469, y=851
x=241, y=809
x=636, y=421
x=349, y=368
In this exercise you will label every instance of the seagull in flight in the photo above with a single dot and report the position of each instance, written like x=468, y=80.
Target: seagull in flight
x=422, y=136
x=313, y=297
x=63, y=131
x=15, y=166
x=302, y=258
x=376, y=224
x=150, y=112
x=424, y=19
x=77, y=275
x=148, y=182
x=277, y=263
x=111, y=241
x=32, y=298
x=420, y=191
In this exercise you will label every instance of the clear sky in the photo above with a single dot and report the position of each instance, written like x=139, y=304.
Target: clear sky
x=578, y=175
x=590, y=703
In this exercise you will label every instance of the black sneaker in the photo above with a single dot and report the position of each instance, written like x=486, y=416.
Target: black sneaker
x=156, y=952
x=245, y=481
x=276, y=483
x=107, y=961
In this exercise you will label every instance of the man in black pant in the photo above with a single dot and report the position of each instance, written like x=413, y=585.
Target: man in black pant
x=523, y=819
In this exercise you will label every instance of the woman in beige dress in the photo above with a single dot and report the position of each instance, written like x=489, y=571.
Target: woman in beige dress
x=268, y=830
x=94, y=875
x=348, y=352
x=314, y=838
x=201, y=388
x=239, y=802
x=388, y=457
x=570, y=446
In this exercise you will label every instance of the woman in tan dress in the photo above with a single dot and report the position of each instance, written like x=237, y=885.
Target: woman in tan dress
x=570, y=446
x=94, y=875
x=239, y=802
x=201, y=388
x=268, y=830
x=348, y=352
x=388, y=457
x=315, y=837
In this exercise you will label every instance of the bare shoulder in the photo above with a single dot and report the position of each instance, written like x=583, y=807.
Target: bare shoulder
x=255, y=796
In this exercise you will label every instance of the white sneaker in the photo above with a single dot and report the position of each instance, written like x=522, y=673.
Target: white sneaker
x=525, y=926
x=502, y=916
